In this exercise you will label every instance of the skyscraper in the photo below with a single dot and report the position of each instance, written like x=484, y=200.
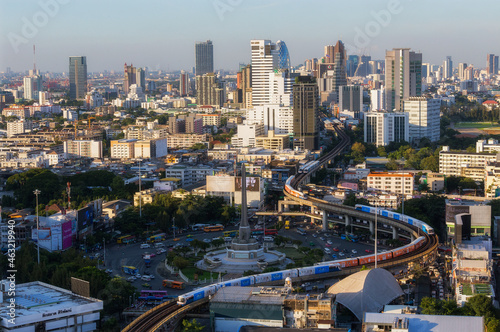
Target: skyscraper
x=305, y=112
x=351, y=99
x=447, y=67
x=382, y=128
x=130, y=77
x=77, y=77
x=140, y=78
x=32, y=86
x=244, y=87
x=492, y=63
x=209, y=91
x=266, y=58
x=351, y=65
x=333, y=75
x=424, y=118
x=461, y=70
x=204, y=57
x=329, y=53
x=403, y=74
x=183, y=83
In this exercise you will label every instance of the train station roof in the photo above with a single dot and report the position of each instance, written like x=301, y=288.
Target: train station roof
x=366, y=291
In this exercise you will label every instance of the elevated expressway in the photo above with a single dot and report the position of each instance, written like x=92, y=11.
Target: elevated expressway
x=167, y=315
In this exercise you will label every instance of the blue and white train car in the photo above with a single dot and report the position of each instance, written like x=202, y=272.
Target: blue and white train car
x=197, y=294
x=274, y=276
x=245, y=281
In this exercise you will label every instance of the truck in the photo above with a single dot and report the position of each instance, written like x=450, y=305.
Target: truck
x=130, y=270
x=147, y=260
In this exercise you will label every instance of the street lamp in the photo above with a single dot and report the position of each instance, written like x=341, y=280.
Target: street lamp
x=140, y=190
x=403, y=180
x=37, y=192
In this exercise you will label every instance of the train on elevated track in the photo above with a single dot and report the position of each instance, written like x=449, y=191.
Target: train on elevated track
x=319, y=268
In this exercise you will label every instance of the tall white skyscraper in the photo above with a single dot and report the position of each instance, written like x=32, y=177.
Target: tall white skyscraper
x=32, y=85
x=424, y=118
x=377, y=99
x=280, y=88
x=274, y=117
x=403, y=75
x=267, y=57
x=461, y=70
x=447, y=67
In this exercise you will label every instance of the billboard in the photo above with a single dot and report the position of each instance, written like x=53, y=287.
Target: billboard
x=253, y=184
x=85, y=217
x=67, y=238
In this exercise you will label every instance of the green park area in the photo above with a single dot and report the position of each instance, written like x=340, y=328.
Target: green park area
x=477, y=125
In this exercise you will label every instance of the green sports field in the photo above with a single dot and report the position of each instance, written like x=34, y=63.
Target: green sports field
x=478, y=125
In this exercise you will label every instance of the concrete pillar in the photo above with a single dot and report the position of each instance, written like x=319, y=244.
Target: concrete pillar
x=372, y=227
x=394, y=233
x=347, y=221
x=412, y=237
x=280, y=209
x=325, y=221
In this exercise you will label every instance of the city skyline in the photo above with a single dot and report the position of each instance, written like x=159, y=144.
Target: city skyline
x=62, y=28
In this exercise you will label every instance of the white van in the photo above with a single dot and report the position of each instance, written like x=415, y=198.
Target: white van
x=328, y=250
x=268, y=238
x=159, y=245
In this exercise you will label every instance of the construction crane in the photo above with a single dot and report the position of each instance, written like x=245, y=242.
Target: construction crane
x=88, y=120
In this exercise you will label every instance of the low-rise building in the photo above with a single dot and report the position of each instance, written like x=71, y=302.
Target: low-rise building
x=188, y=174
x=43, y=307
x=74, y=149
x=272, y=141
x=393, y=182
x=475, y=219
x=460, y=163
x=122, y=149
x=185, y=140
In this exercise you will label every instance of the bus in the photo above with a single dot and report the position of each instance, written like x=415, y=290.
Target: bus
x=214, y=228
x=257, y=231
x=287, y=224
x=301, y=231
x=173, y=284
x=231, y=233
x=148, y=294
x=198, y=227
x=157, y=238
x=271, y=231
x=121, y=238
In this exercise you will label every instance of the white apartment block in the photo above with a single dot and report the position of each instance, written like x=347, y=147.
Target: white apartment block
x=464, y=163
x=186, y=140
x=274, y=117
x=247, y=134
x=382, y=128
x=143, y=133
x=155, y=148
x=397, y=183
x=377, y=99
x=264, y=61
x=122, y=149
x=210, y=119
x=189, y=175
x=18, y=127
x=491, y=179
x=491, y=145
x=280, y=89
x=82, y=149
x=424, y=118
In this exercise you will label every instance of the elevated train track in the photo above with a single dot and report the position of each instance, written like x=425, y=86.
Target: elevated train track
x=165, y=316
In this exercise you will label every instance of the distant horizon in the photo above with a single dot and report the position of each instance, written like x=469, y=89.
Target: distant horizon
x=162, y=36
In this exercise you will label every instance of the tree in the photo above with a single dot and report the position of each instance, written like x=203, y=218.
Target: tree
x=430, y=163
x=191, y=326
x=392, y=165
x=180, y=262
x=480, y=305
x=352, y=200
x=116, y=295
x=430, y=306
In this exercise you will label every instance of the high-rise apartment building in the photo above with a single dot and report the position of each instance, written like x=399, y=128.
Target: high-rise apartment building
x=424, y=118
x=267, y=57
x=461, y=70
x=32, y=85
x=492, y=64
x=305, y=113
x=333, y=75
x=18, y=127
x=204, y=57
x=329, y=53
x=447, y=67
x=403, y=74
x=133, y=75
x=77, y=77
x=244, y=87
x=209, y=90
x=183, y=84
x=351, y=99
x=140, y=78
x=382, y=128
x=377, y=99
x=82, y=149
x=351, y=65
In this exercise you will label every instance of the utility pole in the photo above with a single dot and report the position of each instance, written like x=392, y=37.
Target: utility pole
x=140, y=190
x=376, y=240
x=37, y=192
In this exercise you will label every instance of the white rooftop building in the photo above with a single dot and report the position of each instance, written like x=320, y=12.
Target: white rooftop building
x=43, y=307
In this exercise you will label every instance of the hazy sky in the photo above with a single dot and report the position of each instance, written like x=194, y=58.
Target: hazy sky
x=160, y=34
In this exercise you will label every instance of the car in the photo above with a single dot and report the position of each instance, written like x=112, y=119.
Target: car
x=368, y=251
x=151, y=276
x=109, y=271
x=354, y=251
x=334, y=256
x=131, y=279
x=145, y=246
x=137, y=275
x=345, y=251
x=322, y=238
x=189, y=235
x=341, y=254
x=145, y=278
x=207, y=240
x=315, y=235
x=311, y=244
x=329, y=242
x=189, y=239
x=328, y=245
x=336, y=249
